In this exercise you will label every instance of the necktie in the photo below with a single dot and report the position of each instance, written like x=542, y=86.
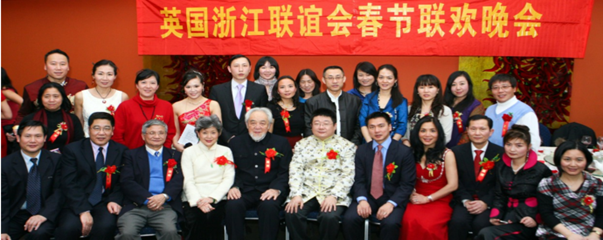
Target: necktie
x=33, y=189
x=239, y=100
x=377, y=176
x=157, y=154
x=97, y=193
x=476, y=161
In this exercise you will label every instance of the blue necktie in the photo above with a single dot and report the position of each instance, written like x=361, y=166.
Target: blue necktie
x=97, y=193
x=33, y=189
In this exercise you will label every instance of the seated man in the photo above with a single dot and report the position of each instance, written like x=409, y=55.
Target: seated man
x=509, y=111
x=385, y=178
x=261, y=175
x=152, y=183
x=31, y=197
x=92, y=202
x=475, y=194
x=321, y=175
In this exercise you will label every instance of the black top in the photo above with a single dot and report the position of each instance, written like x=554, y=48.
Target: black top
x=54, y=119
x=296, y=121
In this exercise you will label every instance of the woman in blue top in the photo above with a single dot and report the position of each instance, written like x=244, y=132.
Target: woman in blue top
x=364, y=80
x=388, y=99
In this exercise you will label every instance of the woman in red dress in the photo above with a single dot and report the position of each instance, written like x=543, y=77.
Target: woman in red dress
x=195, y=105
x=429, y=211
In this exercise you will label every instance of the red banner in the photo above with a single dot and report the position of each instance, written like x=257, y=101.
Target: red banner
x=538, y=28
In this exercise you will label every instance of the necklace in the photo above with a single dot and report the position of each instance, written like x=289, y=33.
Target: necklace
x=285, y=106
x=516, y=170
x=194, y=103
x=104, y=98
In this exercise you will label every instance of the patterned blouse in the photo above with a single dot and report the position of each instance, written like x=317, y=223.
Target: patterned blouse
x=313, y=175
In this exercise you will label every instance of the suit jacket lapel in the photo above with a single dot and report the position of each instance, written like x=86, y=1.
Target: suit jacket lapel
x=111, y=154
x=44, y=165
x=89, y=155
x=142, y=160
x=490, y=154
x=230, y=98
x=20, y=168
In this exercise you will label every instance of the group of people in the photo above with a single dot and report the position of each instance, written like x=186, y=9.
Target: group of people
x=438, y=168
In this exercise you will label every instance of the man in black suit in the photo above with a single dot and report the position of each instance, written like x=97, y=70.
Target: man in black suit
x=31, y=195
x=475, y=194
x=232, y=97
x=91, y=187
x=346, y=106
x=152, y=183
x=384, y=192
x=260, y=183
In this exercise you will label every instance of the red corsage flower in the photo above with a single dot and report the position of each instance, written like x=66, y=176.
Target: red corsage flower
x=332, y=155
x=285, y=115
x=222, y=161
x=111, y=109
x=109, y=170
x=57, y=132
x=270, y=154
x=458, y=121
x=486, y=165
x=391, y=169
x=588, y=201
x=171, y=164
x=507, y=118
x=431, y=167
x=248, y=103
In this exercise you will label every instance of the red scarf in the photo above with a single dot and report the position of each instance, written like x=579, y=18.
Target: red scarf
x=40, y=115
x=144, y=103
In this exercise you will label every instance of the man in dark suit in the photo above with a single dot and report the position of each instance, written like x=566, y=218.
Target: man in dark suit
x=260, y=182
x=385, y=178
x=31, y=195
x=152, y=183
x=232, y=97
x=475, y=194
x=90, y=182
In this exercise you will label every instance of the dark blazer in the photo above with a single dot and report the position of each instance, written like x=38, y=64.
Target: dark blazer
x=349, y=110
x=222, y=93
x=78, y=172
x=14, y=185
x=402, y=182
x=468, y=186
x=135, y=177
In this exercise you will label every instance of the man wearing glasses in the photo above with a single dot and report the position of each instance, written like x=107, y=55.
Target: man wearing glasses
x=508, y=110
x=346, y=106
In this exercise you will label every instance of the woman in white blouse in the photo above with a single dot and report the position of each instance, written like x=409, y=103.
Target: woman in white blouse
x=208, y=170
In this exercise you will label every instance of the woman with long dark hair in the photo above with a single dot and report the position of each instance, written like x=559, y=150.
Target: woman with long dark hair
x=514, y=208
x=308, y=84
x=571, y=202
x=459, y=97
x=14, y=101
x=266, y=73
x=427, y=100
x=365, y=76
x=387, y=98
x=428, y=212
x=62, y=127
x=287, y=111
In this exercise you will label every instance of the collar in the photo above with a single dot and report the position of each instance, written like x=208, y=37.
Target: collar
x=95, y=147
x=26, y=157
x=326, y=140
x=532, y=160
x=334, y=98
x=508, y=103
x=385, y=143
x=473, y=148
x=205, y=148
x=152, y=151
x=235, y=83
x=266, y=81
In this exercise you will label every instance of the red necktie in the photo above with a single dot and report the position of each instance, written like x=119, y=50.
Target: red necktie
x=476, y=161
x=377, y=178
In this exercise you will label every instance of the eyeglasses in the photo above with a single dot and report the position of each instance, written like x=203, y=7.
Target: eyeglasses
x=98, y=128
x=503, y=87
x=331, y=78
x=321, y=124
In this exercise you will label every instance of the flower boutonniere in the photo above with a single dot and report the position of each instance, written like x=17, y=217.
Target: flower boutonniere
x=431, y=167
x=248, y=103
x=486, y=165
x=111, y=109
x=159, y=117
x=332, y=155
x=108, y=170
x=222, y=161
x=459, y=122
x=270, y=154
x=285, y=115
x=507, y=118
x=391, y=169
x=171, y=164
x=588, y=201
x=61, y=127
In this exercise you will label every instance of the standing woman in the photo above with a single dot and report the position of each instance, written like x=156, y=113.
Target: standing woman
x=428, y=211
x=308, y=83
x=514, y=208
x=459, y=97
x=133, y=113
x=570, y=203
x=388, y=99
x=14, y=101
x=195, y=105
x=364, y=80
x=285, y=105
x=208, y=171
x=265, y=73
x=102, y=98
x=62, y=127
x=427, y=100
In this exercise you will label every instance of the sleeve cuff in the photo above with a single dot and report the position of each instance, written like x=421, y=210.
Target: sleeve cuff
x=393, y=203
x=358, y=199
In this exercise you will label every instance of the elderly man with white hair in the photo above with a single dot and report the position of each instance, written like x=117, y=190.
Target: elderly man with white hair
x=261, y=178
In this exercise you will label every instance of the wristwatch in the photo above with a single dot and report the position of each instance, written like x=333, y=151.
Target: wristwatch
x=597, y=232
x=430, y=198
x=165, y=196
